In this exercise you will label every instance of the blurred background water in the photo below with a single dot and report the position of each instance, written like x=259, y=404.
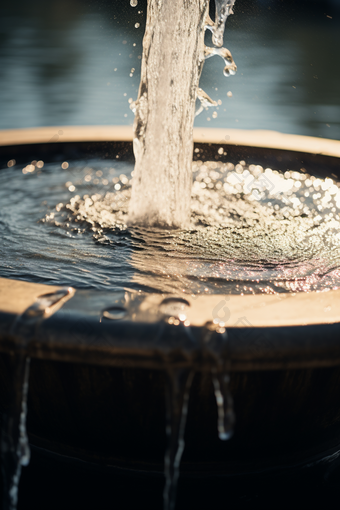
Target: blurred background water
x=77, y=62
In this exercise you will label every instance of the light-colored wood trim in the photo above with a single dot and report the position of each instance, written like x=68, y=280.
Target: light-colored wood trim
x=230, y=311
x=255, y=138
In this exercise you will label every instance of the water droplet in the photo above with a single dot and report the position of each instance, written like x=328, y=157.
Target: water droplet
x=133, y=3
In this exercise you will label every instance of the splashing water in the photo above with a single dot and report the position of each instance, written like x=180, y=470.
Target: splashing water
x=173, y=57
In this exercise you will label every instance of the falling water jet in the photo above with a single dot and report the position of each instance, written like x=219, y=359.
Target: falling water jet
x=177, y=399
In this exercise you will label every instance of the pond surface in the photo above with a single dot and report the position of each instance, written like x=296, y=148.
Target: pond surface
x=75, y=63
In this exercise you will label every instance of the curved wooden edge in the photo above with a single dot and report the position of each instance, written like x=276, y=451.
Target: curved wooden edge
x=231, y=311
x=254, y=138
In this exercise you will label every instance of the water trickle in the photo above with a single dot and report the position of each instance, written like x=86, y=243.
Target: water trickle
x=15, y=450
x=225, y=407
x=177, y=399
